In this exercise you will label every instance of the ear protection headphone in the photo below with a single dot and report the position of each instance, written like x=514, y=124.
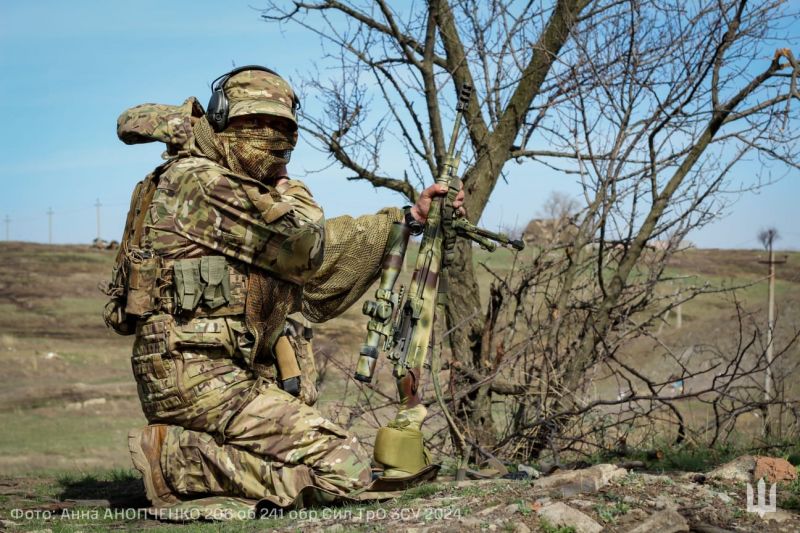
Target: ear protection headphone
x=218, y=107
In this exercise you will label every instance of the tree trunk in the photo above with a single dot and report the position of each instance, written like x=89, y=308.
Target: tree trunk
x=463, y=315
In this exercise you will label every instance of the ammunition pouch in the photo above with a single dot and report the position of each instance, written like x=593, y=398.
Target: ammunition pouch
x=202, y=281
x=144, y=284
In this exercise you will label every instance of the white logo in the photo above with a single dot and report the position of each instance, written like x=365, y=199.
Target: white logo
x=762, y=508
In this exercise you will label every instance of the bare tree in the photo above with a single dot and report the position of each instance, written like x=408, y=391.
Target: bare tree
x=649, y=103
x=560, y=206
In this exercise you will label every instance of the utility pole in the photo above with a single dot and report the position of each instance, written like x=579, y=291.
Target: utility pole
x=98, y=205
x=50, y=225
x=768, y=237
x=8, y=228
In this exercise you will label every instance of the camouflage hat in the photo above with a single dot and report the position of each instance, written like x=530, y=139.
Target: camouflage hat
x=254, y=92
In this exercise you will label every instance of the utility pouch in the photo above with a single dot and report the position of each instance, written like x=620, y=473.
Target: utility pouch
x=188, y=283
x=214, y=273
x=114, y=314
x=142, y=282
x=204, y=280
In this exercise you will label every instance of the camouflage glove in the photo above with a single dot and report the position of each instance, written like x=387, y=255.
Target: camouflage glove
x=398, y=445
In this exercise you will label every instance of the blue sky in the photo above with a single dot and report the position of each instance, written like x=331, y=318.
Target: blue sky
x=70, y=68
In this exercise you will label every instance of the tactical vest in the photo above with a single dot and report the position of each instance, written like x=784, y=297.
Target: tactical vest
x=231, y=222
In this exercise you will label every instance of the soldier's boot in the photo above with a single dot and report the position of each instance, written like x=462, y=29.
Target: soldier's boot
x=145, y=447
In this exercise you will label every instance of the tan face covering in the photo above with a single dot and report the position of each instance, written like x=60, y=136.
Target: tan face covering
x=249, y=147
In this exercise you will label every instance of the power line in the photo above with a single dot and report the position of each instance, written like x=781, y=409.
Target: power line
x=50, y=225
x=768, y=237
x=98, y=205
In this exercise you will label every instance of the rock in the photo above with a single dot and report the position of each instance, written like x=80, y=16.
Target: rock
x=664, y=502
x=749, y=468
x=521, y=528
x=669, y=521
x=562, y=515
x=530, y=471
x=724, y=498
x=541, y=501
x=7, y=523
x=488, y=510
x=740, y=470
x=636, y=515
x=511, y=509
x=779, y=515
x=693, y=477
x=497, y=466
x=583, y=504
x=773, y=469
x=588, y=480
x=471, y=521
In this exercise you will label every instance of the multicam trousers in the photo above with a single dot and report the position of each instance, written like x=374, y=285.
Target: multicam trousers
x=231, y=432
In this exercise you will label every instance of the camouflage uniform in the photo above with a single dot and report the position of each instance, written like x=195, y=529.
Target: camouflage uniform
x=208, y=371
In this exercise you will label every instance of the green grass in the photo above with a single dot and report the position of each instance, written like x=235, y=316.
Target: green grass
x=422, y=491
x=547, y=527
x=793, y=489
x=608, y=513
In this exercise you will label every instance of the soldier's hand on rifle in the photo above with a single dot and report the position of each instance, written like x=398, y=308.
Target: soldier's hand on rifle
x=420, y=210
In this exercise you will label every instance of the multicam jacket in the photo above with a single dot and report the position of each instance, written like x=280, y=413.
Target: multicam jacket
x=198, y=209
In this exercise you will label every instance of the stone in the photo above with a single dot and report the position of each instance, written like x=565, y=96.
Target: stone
x=521, y=528
x=773, y=469
x=497, y=466
x=511, y=509
x=530, y=471
x=488, y=510
x=723, y=497
x=665, y=502
x=739, y=470
x=780, y=516
x=693, y=477
x=584, y=481
x=583, y=504
x=471, y=521
x=636, y=515
x=669, y=521
x=562, y=515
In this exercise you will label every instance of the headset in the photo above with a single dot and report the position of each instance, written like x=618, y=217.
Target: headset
x=218, y=107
